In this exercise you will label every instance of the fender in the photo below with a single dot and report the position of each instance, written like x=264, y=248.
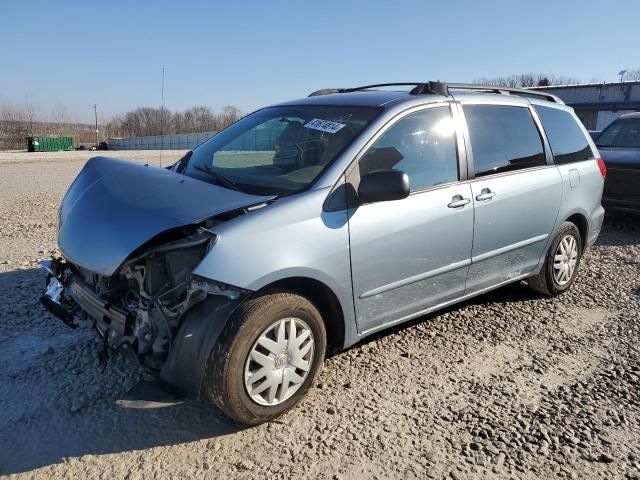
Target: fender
x=199, y=330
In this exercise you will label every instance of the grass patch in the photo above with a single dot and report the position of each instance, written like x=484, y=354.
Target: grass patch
x=240, y=159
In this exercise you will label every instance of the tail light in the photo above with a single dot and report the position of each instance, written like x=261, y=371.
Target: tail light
x=602, y=167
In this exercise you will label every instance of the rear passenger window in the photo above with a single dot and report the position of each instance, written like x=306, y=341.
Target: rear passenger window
x=422, y=144
x=503, y=138
x=568, y=142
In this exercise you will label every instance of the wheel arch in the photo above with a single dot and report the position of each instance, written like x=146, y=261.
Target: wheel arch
x=580, y=221
x=325, y=300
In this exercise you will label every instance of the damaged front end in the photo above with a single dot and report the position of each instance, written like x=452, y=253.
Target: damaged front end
x=138, y=309
x=130, y=236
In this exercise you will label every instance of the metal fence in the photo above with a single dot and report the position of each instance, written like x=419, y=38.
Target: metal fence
x=254, y=139
x=175, y=141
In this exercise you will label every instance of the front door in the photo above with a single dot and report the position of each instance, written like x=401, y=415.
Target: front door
x=412, y=254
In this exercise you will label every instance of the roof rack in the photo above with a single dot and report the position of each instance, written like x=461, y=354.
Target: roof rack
x=504, y=90
x=441, y=88
x=419, y=89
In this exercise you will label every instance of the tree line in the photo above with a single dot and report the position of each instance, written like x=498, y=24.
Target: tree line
x=631, y=75
x=527, y=80
x=145, y=121
x=20, y=121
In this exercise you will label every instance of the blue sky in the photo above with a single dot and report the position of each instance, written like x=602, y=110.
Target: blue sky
x=252, y=53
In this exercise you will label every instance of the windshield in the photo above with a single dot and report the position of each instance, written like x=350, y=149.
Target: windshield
x=622, y=134
x=278, y=150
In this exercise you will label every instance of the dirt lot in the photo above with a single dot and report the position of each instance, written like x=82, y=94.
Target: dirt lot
x=509, y=385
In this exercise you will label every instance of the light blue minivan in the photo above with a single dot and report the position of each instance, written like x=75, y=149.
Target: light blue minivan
x=308, y=225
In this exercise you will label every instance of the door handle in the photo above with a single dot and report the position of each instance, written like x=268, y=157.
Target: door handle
x=485, y=194
x=458, y=201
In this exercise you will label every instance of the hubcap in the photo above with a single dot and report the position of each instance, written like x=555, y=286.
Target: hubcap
x=279, y=361
x=565, y=260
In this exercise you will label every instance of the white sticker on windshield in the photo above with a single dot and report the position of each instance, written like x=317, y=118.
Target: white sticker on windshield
x=324, y=125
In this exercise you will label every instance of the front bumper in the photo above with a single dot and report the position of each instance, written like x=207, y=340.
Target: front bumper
x=70, y=299
x=53, y=298
x=51, y=301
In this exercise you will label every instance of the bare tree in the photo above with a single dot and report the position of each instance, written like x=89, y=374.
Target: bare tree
x=142, y=121
x=145, y=121
x=30, y=116
x=632, y=75
x=19, y=121
x=526, y=80
x=229, y=115
x=14, y=126
x=199, y=119
x=59, y=114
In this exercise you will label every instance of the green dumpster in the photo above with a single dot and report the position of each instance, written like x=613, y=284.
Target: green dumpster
x=49, y=144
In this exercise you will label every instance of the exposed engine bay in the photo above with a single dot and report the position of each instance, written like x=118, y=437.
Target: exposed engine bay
x=139, y=307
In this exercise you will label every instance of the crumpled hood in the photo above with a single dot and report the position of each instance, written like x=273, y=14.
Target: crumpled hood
x=115, y=206
x=621, y=158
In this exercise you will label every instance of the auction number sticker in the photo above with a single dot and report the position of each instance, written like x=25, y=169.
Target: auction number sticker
x=324, y=125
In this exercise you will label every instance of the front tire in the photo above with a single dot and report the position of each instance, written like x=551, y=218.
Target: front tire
x=561, y=263
x=267, y=358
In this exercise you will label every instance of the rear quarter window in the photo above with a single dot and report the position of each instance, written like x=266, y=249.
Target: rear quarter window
x=568, y=142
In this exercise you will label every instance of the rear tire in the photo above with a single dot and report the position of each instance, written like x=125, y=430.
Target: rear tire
x=259, y=367
x=561, y=263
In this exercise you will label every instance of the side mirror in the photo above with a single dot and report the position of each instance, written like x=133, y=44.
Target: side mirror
x=383, y=186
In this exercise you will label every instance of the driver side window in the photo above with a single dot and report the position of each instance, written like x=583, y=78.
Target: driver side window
x=422, y=144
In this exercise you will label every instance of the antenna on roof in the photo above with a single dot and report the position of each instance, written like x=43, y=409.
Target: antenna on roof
x=162, y=119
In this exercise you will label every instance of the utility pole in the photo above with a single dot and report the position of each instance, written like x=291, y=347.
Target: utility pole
x=622, y=73
x=162, y=119
x=95, y=110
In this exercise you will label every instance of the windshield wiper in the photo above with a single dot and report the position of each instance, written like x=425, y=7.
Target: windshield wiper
x=182, y=163
x=220, y=178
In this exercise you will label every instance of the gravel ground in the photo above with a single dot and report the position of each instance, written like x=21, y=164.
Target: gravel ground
x=509, y=385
